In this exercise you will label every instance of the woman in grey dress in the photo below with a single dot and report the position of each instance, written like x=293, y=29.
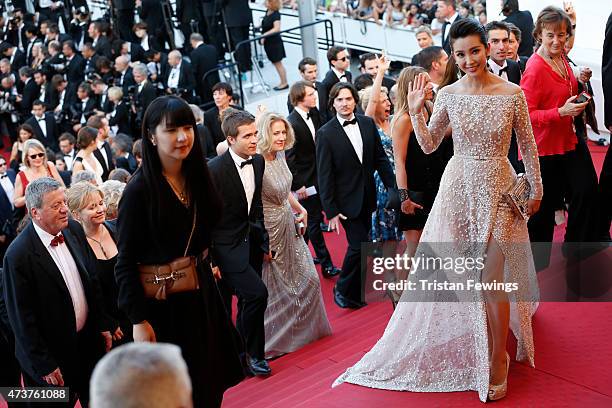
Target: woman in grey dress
x=296, y=314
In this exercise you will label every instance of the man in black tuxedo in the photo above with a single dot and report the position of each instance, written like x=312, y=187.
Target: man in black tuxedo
x=349, y=151
x=340, y=66
x=75, y=64
x=99, y=41
x=62, y=98
x=7, y=182
x=302, y=162
x=103, y=153
x=240, y=242
x=513, y=45
x=46, y=91
x=203, y=59
x=179, y=75
x=51, y=299
x=309, y=72
x=222, y=95
x=78, y=27
x=524, y=21
x=30, y=91
x=68, y=151
x=238, y=17
x=90, y=57
x=44, y=126
x=145, y=90
x=83, y=107
x=498, y=37
x=447, y=10
x=16, y=57
x=123, y=77
x=100, y=90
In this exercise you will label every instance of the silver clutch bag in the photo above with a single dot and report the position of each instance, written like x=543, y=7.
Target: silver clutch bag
x=518, y=195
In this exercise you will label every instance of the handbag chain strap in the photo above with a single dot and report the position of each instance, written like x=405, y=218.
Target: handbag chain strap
x=195, y=212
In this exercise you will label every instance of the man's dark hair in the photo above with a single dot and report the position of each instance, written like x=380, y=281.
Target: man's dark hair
x=333, y=52
x=233, y=119
x=451, y=3
x=56, y=80
x=335, y=90
x=297, y=92
x=86, y=87
x=30, y=28
x=516, y=31
x=510, y=6
x=497, y=25
x=38, y=102
x=427, y=56
x=367, y=57
x=67, y=136
x=306, y=61
x=363, y=81
x=70, y=44
x=223, y=86
x=53, y=28
x=96, y=122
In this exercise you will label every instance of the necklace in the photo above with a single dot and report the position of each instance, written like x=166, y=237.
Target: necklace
x=182, y=196
x=99, y=243
x=563, y=73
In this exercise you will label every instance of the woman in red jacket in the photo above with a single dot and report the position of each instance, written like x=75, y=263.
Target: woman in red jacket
x=568, y=174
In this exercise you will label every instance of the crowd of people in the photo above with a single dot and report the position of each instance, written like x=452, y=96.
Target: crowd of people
x=131, y=215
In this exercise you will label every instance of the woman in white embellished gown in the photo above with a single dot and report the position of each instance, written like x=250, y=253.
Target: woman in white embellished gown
x=295, y=315
x=458, y=346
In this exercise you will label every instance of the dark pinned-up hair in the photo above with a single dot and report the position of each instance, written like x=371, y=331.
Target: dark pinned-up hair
x=172, y=111
x=466, y=27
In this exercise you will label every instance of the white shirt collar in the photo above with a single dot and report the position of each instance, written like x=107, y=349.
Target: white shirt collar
x=338, y=73
x=100, y=144
x=495, y=67
x=302, y=113
x=344, y=120
x=45, y=237
x=452, y=19
x=237, y=159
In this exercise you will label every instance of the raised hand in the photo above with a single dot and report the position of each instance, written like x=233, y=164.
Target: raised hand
x=383, y=63
x=416, y=93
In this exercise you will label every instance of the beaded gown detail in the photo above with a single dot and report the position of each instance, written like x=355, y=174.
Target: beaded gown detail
x=296, y=314
x=442, y=346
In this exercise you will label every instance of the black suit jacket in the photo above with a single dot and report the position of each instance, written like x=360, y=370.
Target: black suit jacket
x=345, y=183
x=322, y=95
x=6, y=208
x=330, y=80
x=52, y=131
x=109, y=154
x=39, y=305
x=606, y=73
x=524, y=21
x=128, y=80
x=128, y=163
x=146, y=95
x=75, y=70
x=446, y=43
x=204, y=59
x=186, y=79
x=77, y=109
x=103, y=47
x=237, y=13
x=514, y=72
x=121, y=118
x=301, y=158
x=30, y=92
x=19, y=60
x=238, y=229
x=213, y=124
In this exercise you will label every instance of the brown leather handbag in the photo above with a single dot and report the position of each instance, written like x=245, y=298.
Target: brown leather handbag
x=180, y=275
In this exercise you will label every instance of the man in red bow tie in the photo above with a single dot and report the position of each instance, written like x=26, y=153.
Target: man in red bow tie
x=51, y=300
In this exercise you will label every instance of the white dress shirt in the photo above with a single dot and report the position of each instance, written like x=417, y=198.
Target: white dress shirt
x=83, y=106
x=65, y=263
x=173, y=79
x=450, y=22
x=247, y=176
x=8, y=187
x=42, y=123
x=308, y=121
x=496, y=69
x=69, y=159
x=354, y=134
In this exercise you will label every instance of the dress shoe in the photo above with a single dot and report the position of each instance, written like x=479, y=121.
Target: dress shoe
x=330, y=271
x=259, y=367
x=346, y=303
x=316, y=261
x=499, y=391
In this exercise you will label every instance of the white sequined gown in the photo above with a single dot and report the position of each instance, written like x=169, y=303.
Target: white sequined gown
x=442, y=346
x=295, y=315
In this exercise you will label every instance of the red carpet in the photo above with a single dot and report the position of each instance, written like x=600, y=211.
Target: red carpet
x=573, y=359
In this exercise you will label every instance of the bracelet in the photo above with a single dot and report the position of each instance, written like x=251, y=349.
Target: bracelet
x=403, y=193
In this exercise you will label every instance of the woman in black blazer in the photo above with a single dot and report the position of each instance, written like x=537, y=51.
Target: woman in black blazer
x=156, y=215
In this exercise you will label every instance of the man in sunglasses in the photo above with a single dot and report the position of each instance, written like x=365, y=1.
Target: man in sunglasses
x=340, y=64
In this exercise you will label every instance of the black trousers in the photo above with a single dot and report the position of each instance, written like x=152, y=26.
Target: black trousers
x=569, y=177
x=10, y=374
x=76, y=374
x=252, y=297
x=313, y=233
x=242, y=55
x=350, y=281
x=125, y=21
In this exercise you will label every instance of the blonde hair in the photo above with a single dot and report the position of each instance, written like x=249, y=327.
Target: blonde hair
x=79, y=195
x=264, y=130
x=115, y=92
x=32, y=144
x=407, y=75
x=366, y=93
x=112, y=190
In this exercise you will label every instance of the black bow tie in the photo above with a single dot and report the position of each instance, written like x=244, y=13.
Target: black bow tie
x=504, y=69
x=343, y=76
x=308, y=115
x=350, y=122
x=3, y=176
x=246, y=163
x=40, y=119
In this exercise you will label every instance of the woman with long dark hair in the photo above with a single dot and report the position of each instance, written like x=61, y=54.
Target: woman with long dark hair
x=452, y=336
x=167, y=211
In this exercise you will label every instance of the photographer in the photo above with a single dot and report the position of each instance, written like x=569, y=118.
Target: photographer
x=83, y=108
x=62, y=99
x=179, y=78
x=8, y=113
x=157, y=62
x=78, y=27
x=140, y=96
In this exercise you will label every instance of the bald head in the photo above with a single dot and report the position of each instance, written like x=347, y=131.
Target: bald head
x=121, y=63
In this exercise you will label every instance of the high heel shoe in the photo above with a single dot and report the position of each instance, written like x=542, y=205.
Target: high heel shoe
x=497, y=392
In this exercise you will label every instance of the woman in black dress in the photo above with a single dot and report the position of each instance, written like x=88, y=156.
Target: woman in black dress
x=273, y=45
x=417, y=174
x=156, y=215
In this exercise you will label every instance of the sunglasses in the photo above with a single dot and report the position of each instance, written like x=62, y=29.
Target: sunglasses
x=37, y=155
x=2, y=164
x=343, y=59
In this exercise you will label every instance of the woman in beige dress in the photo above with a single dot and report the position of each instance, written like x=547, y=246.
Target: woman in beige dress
x=296, y=314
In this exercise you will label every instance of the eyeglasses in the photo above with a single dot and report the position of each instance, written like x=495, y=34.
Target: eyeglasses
x=37, y=155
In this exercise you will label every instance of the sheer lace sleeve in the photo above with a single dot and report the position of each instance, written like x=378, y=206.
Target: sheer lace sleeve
x=430, y=137
x=527, y=145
